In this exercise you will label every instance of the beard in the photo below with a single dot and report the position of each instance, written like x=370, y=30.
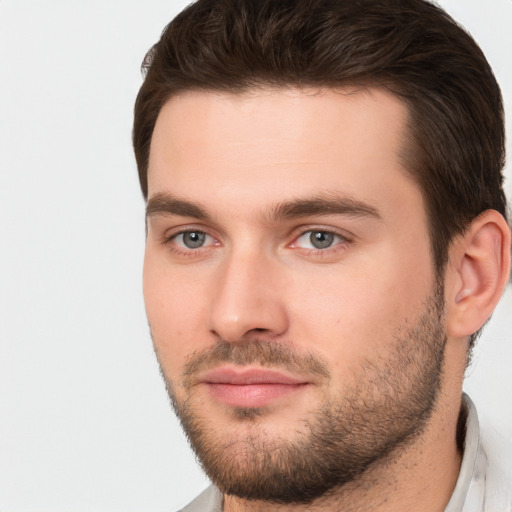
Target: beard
x=341, y=438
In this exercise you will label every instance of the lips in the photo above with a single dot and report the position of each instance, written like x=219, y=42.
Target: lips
x=250, y=387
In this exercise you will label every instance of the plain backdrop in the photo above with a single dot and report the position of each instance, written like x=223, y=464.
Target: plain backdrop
x=85, y=423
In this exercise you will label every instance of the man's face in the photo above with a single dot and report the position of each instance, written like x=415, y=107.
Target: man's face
x=289, y=285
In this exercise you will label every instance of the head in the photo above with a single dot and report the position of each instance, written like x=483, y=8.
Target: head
x=327, y=134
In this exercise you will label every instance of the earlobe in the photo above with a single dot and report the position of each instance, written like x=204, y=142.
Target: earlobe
x=480, y=262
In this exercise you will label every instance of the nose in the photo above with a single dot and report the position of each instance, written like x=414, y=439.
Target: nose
x=249, y=300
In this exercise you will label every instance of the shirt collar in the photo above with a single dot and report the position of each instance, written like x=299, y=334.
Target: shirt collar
x=469, y=492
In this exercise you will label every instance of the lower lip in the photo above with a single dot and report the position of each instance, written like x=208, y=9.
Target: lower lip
x=252, y=395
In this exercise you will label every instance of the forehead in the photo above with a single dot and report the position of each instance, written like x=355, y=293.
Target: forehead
x=264, y=146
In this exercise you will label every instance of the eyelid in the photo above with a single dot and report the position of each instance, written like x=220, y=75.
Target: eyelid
x=171, y=232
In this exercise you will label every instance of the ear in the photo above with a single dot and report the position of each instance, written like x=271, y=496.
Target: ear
x=477, y=272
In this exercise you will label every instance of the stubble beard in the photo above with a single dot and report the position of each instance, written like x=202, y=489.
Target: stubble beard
x=340, y=440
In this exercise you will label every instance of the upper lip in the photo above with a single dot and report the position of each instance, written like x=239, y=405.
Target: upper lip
x=245, y=376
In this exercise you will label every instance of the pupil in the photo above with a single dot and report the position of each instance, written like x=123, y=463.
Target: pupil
x=193, y=239
x=321, y=239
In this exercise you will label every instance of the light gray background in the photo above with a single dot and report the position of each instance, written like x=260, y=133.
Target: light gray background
x=85, y=423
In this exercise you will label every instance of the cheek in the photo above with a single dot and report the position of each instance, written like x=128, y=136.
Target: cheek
x=174, y=311
x=353, y=312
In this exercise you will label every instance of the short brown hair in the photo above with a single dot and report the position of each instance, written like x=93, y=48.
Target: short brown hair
x=455, y=142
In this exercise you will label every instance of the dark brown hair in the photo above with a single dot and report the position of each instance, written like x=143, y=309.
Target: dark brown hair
x=455, y=135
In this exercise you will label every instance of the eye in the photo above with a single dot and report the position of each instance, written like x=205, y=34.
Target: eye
x=192, y=239
x=318, y=239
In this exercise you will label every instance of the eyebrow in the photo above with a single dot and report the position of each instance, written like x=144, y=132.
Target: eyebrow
x=324, y=205
x=167, y=204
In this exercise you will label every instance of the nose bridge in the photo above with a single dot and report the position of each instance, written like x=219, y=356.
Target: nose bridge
x=248, y=298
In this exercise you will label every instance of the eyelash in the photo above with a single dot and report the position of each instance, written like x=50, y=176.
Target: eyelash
x=186, y=252
x=197, y=252
x=344, y=240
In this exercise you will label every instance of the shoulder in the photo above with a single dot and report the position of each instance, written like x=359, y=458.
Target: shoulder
x=210, y=500
x=498, y=485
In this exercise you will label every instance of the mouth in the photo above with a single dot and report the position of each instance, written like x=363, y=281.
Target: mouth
x=250, y=387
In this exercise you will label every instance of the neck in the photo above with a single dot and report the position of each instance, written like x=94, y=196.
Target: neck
x=418, y=476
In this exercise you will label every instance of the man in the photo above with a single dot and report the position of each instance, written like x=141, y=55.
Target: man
x=326, y=236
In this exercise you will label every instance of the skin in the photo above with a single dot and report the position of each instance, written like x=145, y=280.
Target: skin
x=257, y=277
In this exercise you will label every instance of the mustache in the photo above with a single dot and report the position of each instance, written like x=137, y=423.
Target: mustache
x=268, y=354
